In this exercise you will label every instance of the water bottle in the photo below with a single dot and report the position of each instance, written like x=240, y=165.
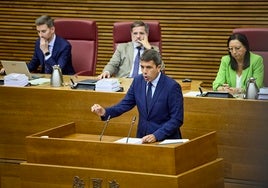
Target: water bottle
x=251, y=89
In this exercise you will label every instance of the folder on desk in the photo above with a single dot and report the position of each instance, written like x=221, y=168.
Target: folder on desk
x=218, y=94
x=88, y=84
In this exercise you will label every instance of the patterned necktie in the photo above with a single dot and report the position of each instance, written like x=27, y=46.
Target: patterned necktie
x=149, y=95
x=136, y=63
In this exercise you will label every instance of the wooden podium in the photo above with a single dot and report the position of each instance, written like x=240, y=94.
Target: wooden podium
x=57, y=155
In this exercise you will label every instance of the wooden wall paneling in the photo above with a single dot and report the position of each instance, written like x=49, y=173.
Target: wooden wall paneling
x=194, y=33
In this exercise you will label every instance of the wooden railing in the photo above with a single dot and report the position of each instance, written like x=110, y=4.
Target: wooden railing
x=194, y=33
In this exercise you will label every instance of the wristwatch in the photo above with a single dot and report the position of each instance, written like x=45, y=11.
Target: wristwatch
x=47, y=53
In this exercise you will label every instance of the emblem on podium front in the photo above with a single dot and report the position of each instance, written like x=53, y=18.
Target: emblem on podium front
x=78, y=183
x=113, y=184
x=96, y=182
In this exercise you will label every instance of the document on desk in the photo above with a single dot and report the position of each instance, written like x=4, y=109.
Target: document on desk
x=109, y=85
x=39, y=81
x=173, y=141
x=127, y=140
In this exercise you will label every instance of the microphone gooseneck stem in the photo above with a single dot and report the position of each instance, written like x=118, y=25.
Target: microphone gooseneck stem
x=129, y=132
x=105, y=125
x=201, y=91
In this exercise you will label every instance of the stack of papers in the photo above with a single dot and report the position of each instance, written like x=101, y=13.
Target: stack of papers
x=109, y=85
x=15, y=79
x=263, y=93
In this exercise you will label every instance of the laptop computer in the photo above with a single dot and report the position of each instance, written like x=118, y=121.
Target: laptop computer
x=16, y=67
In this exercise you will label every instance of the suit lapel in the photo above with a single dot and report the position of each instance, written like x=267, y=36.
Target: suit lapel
x=56, y=46
x=130, y=51
x=157, y=92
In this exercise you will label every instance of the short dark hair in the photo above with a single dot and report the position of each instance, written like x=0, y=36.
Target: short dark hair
x=45, y=19
x=152, y=55
x=243, y=39
x=140, y=24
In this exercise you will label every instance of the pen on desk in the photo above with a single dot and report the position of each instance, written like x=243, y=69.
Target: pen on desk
x=72, y=81
x=201, y=92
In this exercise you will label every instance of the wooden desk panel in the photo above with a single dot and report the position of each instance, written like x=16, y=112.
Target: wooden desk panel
x=28, y=110
x=241, y=125
x=63, y=150
x=25, y=111
x=55, y=176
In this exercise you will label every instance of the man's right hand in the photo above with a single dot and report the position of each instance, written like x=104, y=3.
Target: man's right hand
x=2, y=71
x=105, y=74
x=44, y=45
x=99, y=110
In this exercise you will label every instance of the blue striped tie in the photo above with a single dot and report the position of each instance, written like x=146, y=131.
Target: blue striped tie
x=136, y=63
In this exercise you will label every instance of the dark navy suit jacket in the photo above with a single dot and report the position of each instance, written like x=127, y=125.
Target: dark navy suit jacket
x=165, y=114
x=61, y=55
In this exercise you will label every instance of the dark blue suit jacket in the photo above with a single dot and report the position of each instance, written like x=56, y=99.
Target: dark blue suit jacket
x=61, y=56
x=165, y=113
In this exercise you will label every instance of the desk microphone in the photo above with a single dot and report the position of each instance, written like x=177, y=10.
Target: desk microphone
x=201, y=92
x=74, y=85
x=132, y=123
x=105, y=126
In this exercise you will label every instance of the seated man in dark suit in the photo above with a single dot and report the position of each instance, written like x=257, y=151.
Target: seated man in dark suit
x=50, y=49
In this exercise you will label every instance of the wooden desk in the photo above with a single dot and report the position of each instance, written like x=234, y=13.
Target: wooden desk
x=158, y=166
x=27, y=110
x=125, y=83
x=241, y=125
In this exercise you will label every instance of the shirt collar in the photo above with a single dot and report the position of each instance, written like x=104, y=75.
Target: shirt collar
x=135, y=46
x=155, y=81
x=51, y=43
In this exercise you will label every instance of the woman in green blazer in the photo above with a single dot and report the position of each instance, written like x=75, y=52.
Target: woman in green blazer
x=237, y=67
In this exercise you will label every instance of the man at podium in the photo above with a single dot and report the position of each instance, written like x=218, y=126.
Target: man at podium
x=158, y=98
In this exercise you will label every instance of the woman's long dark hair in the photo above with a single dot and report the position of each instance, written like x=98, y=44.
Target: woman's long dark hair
x=243, y=39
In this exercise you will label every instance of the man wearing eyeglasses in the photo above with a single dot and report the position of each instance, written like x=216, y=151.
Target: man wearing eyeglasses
x=238, y=66
x=122, y=63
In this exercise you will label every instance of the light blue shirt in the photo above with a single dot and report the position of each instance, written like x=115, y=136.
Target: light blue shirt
x=154, y=84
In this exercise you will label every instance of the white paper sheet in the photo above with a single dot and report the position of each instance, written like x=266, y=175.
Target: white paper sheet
x=192, y=94
x=174, y=141
x=39, y=81
x=130, y=140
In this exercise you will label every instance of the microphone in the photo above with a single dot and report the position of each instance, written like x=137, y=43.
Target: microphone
x=74, y=85
x=201, y=92
x=132, y=123
x=105, y=126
